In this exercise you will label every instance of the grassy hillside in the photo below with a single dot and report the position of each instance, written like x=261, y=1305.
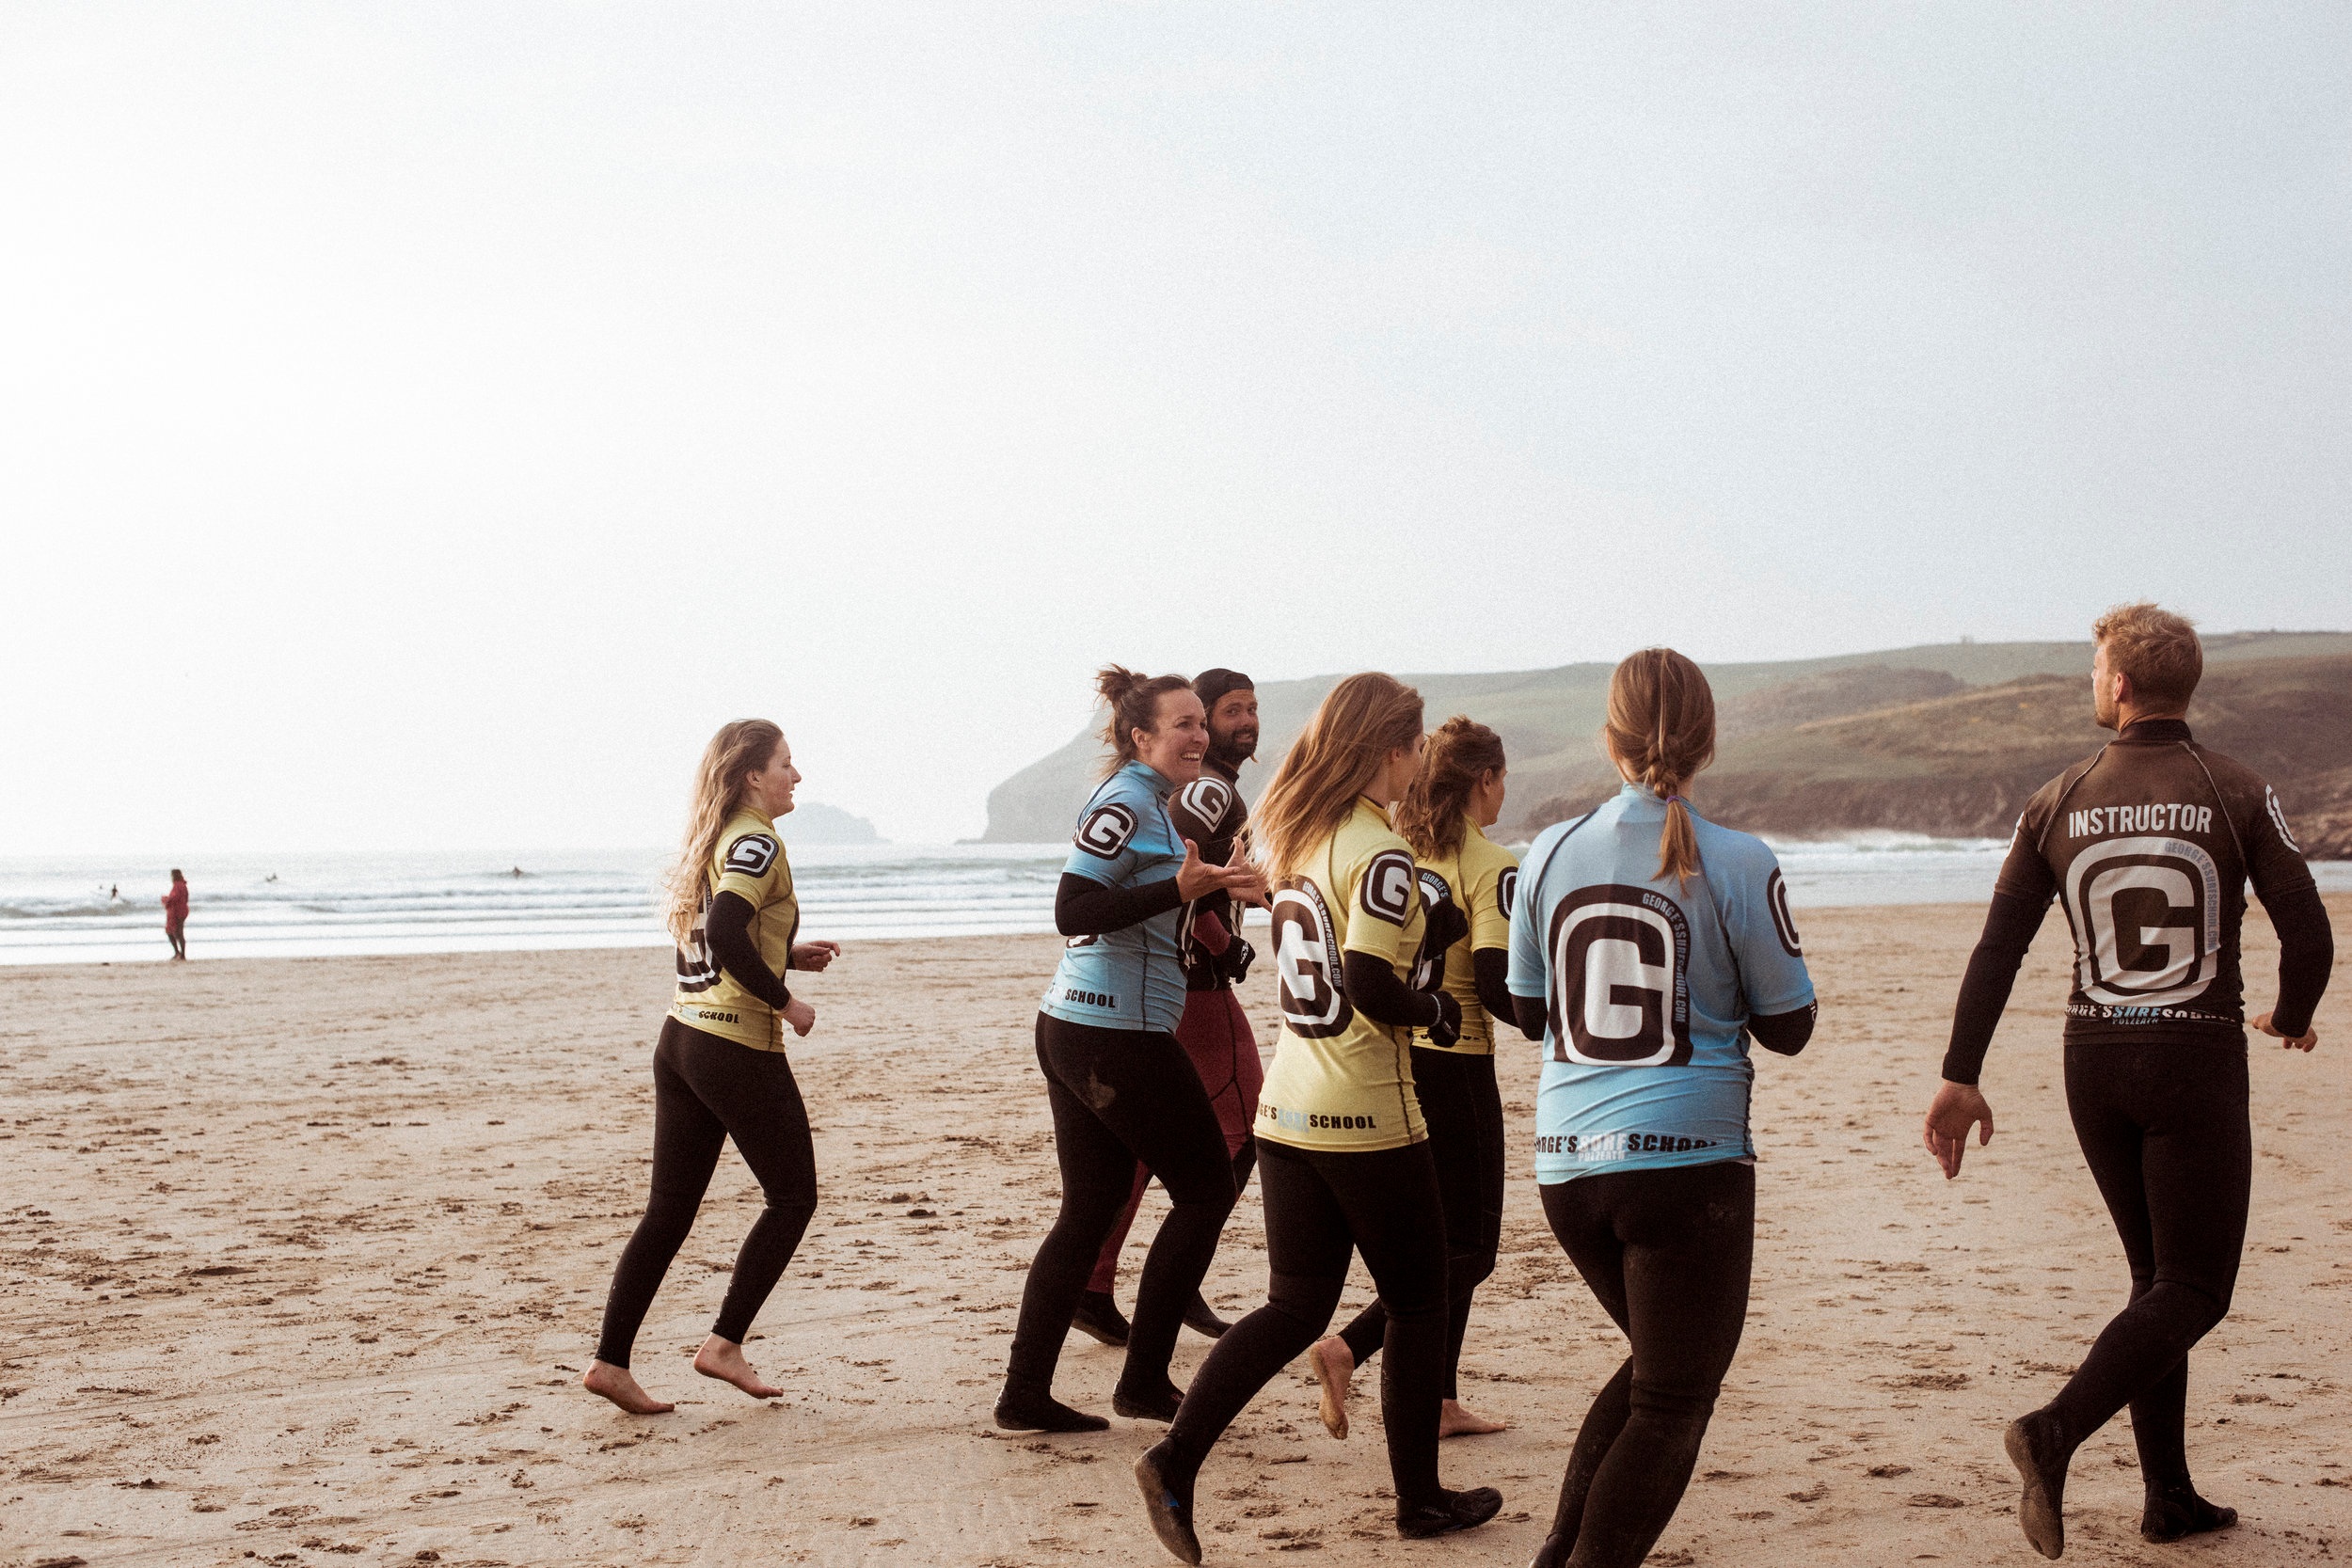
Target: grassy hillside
x=1965, y=764
x=1817, y=746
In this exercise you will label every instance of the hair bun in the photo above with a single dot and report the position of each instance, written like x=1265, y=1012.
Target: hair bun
x=1114, y=681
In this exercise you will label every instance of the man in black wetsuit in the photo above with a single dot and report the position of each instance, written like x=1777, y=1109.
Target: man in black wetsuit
x=2148, y=847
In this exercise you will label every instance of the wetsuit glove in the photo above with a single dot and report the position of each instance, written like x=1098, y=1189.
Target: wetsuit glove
x=1444, y=924
x=1235, y=960
x=1447, y=1028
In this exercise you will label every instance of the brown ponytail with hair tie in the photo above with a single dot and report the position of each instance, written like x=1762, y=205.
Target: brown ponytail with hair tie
x=1662, y=732
x=1430, y=814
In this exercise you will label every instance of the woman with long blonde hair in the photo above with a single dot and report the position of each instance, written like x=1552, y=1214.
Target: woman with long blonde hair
x=719, y=1069
x=1656, y=944
x=1467, y=880
x=1341, y=1142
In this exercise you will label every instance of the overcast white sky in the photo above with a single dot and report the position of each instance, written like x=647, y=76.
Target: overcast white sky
x=422, y=425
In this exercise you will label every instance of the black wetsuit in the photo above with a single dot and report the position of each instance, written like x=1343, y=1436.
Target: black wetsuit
x=1666, y=1252
x=2148, y=847
x=1322, y=1207
x=705, y=1090
x=1463, y=1106
x=1119, y=1098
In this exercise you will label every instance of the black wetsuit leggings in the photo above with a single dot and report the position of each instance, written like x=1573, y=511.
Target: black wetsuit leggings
x=1464, y=1110
x=1321, y=1207
x=707, y=1090
x=2164, y=1129
x=1120, y=1097
x=1667, y=1253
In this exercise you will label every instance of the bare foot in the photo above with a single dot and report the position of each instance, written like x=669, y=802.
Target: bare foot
x=1334, y=1364
x=1454, y=1421
x=619, y=1384
x=723, y=1360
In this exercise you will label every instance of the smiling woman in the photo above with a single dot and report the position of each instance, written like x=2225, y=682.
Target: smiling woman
x=1123, y=1090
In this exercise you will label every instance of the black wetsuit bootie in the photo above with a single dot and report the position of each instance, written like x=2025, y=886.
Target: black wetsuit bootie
x=2033, y=1448
x=2176, y=1512
x=1147, y=1404
x=1099, y=1317
x=1167, y=1484
x=1202, y=1320
x=1554, y=1553
x=1452, y=1511
x=1021, y=1408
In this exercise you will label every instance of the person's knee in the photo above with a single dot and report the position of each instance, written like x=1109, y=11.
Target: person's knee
x=791, y=1200
x=1467, y=1270
x=1306, y=1300
x=1210, y=1186
x=1678, y=1404
x=1089, y=1212
x=2201, y=1303
x=668, y=1218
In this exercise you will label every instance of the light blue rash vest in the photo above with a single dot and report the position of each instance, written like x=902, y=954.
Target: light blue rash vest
x=1131, y=979
x=1650, y=986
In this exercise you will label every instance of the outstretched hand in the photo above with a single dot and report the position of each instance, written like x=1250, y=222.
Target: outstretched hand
x=2307, y=1040
x=1957, y=1108
x=1198, y=877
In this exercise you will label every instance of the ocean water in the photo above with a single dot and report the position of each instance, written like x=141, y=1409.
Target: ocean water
x=60, y=911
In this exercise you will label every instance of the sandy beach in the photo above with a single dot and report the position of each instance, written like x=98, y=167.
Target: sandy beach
x=303, y=1260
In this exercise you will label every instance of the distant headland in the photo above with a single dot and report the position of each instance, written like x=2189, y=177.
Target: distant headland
x=1946, y=739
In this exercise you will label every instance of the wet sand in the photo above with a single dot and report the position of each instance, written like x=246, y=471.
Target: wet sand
x=303, y=1259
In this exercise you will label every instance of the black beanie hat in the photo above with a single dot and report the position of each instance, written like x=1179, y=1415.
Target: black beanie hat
x=1212, y=684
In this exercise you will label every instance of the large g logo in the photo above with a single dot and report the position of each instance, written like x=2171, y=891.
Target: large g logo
x=752, y=854
x=1620, y=957
x=1107, y=830
x=1307, y=964
x=1444, y=925
x=2147, y=918
x=1784, y=923
x=1387, y=886
x=1203, y=803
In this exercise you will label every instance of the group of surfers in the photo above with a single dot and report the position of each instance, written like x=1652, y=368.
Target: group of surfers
x=1645, y=947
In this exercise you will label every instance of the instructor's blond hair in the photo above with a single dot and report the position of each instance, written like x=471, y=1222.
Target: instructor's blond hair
x=1662, y=728
x=1334, y=759
x=734, y=754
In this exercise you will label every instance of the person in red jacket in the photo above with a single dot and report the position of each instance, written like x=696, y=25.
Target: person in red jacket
x=176, y=914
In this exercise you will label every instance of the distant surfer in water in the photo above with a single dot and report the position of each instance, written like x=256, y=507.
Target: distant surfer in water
x=176, y=915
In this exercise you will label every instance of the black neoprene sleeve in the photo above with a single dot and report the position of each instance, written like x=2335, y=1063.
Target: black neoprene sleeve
x=1491, y=965
x=1086, y=907
x=728, y=929
x=1784, y=1033
x=2307, y=954
x=2009, y=924
x=1376, y=992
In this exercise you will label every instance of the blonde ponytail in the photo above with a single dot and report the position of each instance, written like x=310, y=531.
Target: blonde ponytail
x=1662, y=730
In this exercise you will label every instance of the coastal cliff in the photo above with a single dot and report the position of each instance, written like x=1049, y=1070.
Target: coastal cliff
x=1947, y=739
